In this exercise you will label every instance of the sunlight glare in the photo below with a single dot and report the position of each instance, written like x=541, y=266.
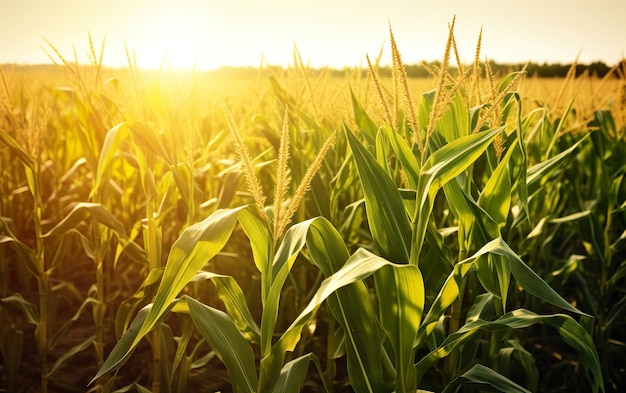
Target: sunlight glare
x=175, y=38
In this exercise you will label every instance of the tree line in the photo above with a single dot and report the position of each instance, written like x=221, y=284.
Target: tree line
x=419, y=70
x=545, y=70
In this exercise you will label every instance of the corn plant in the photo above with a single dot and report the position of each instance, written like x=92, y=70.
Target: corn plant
x=446, y=157
x=217, y=328
x=604, y=229
x=36, y=156
x=33, y=256
x=577, y=240
x=98, y=221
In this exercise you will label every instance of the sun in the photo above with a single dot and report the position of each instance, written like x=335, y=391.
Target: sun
x=172, y=46
x=174, y=37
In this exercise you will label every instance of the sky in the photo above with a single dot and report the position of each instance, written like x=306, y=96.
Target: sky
x=333, y=33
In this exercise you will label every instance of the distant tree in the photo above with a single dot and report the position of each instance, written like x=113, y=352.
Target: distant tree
x=621, y=69
x=545, y=70
x=599, y=69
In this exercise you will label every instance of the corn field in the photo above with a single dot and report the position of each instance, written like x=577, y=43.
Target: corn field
x=284, y=230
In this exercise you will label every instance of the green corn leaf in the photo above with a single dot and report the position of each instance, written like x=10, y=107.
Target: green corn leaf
x=101, y=215
x=363, y=120
x=146, y=174
x=401, y=297
x=351, y=307
x=495, y=198
x=68, y=323
x=168, y=195
x=235, y=303
x=452, y=159
x=617, y=274
x=382, y=151
x=556, y=132
x=474, y=224
x=518, y=168
x=617, y=312
x=181, y=360
x=32, y=179
x=454, y=123
x=167, y=343
x=525, y=276
x=405, y=155
x=535, y=122
x=19, y=150
x=79, y=212
x=425, y=108
x=506, y=81
x=190, y=252
x=68, y=354
x=571, y=217
x=293, y=375
x=569, y=330
x=60, y=253
x=141, y=389
x=603, y=120
x=228, y=343
x=288, y=100
x=124, y=346
x=482, y=308
x=257, y=231
x=387, y=217
x=110, y=148
x=292, y=243
x=228, y=191
x=494, y=273
x=358, y=267
x=517, y=160
x=538, y=174
x=27, y=255
x=441, y=167
x=525, y=359
x=148, y=141
x=447, y=295
x=16, y=302
x=480, y=374
x=146, y=291
x=88, y=145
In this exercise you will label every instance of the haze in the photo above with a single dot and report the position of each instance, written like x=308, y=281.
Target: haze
x=213, y=33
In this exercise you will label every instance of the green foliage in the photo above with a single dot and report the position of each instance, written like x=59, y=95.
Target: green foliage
x=467, y=256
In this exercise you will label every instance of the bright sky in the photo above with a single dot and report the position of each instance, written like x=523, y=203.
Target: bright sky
x=327, y=32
